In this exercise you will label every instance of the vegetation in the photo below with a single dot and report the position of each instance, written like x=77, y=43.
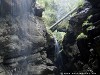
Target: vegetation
x=82, y=35
x=49, y=15
x=59, y=36
x=56, y=9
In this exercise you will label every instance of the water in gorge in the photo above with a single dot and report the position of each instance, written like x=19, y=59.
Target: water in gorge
x=63, y=7
x=58, y=57
x=29, y=47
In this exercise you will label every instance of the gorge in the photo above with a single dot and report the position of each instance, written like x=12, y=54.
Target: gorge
x=28, y=47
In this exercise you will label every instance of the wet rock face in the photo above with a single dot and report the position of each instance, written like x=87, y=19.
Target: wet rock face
x=87, y=45
x=75, y=28
x=95, y=4
x=77, y=21
x=94, y=33
x=22, y=40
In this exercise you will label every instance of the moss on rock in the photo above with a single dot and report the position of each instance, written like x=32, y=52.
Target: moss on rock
x=81, y=36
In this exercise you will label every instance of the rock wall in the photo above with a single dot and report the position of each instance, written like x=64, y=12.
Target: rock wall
x=22, y=40
x=81, y=43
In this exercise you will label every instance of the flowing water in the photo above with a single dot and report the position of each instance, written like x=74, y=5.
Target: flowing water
x=62, y=8
x=21, y=9
x=58, y=57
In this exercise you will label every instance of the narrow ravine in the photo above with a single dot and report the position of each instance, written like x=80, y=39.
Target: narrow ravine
x=49, y=37
x=58, y=57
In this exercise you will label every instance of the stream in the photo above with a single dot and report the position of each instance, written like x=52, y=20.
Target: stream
x=26, y=48
x=58, y=57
